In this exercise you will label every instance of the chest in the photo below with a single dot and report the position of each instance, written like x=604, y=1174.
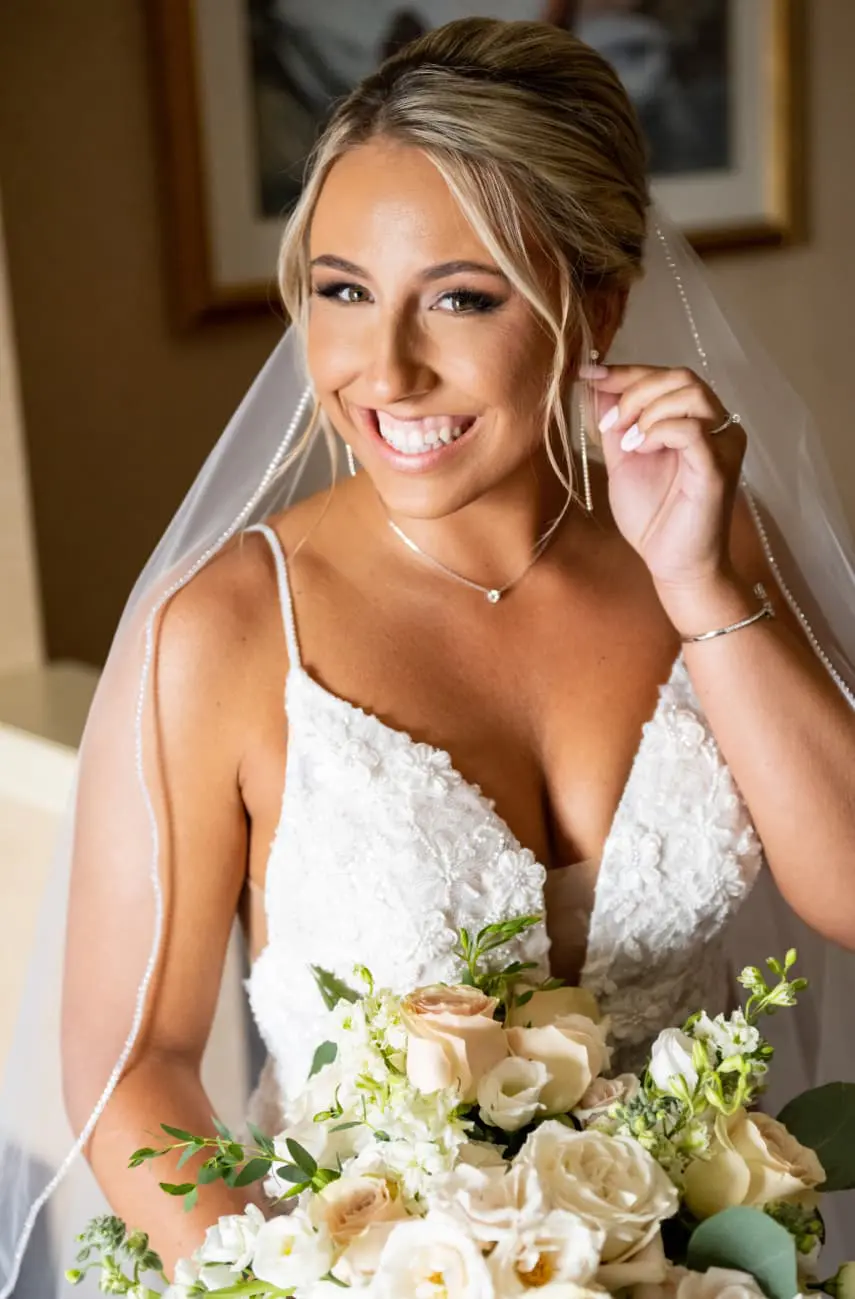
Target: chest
x=540, y=702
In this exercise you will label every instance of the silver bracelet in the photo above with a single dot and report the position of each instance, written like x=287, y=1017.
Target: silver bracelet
x=766, y=611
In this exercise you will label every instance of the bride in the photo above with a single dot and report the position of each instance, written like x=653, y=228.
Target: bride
x=487, y=672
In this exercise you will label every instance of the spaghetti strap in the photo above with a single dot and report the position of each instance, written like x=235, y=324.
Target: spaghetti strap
x=285, y=600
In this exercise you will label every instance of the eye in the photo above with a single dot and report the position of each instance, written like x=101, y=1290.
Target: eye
x=464, y=301
x=342, y=292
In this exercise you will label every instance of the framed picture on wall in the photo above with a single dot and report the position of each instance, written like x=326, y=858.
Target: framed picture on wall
x=245, y=85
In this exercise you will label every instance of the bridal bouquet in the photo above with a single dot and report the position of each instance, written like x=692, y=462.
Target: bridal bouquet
x=466, y=1142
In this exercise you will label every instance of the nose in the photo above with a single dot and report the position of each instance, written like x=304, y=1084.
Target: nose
x=396, y=366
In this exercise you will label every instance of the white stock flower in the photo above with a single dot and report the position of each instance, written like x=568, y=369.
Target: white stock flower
x=509, y=1095
x=290, y=1253
x=546, y=1249
x=718, y=1283
x=432, y=1257
x=730, y=1035
x=232, y=1239
x=671, y=1058
x=610, y=1182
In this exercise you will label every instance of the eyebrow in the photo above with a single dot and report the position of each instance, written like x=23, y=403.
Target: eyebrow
x=438, y=272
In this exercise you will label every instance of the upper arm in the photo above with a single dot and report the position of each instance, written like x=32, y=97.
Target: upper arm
x=192, y=748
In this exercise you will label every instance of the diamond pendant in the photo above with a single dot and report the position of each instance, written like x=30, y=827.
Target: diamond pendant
x=494, y=596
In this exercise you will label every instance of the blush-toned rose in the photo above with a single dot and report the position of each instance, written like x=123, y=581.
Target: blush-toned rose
x=453, y=1039
x=574, y=1051
x=358, y=1213
x=604, y=1093
x=753, y=1160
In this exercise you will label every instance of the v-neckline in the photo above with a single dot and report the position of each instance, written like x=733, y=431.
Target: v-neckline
x=296, y=671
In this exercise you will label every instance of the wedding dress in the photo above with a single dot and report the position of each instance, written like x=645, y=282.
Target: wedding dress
x=383, y=851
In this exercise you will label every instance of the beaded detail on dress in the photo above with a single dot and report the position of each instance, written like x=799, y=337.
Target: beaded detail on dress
x=383, y=850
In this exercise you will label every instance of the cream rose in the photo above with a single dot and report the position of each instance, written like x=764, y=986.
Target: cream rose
x=545, y=1006
x=604, y=1093
x=432, y=1255
x=509, y=1095
x=754, y=1160
x=610, y=1182
x=452, y=1038
x=574, y=1051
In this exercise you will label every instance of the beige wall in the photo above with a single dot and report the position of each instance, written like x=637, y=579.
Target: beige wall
x=120, y=411
x=20, y=627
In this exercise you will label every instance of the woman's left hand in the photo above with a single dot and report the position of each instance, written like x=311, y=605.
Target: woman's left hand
x=672, y=482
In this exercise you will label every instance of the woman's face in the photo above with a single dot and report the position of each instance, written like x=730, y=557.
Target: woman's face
x=423, y=355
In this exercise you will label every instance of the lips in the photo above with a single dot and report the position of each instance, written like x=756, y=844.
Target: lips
x=418, y=437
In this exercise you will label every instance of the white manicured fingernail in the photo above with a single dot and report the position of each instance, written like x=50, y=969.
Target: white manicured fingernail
x=593, y=372
x=632, y=439
x=610, y=418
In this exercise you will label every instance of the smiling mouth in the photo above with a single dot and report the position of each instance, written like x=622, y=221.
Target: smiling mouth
x=415, y=437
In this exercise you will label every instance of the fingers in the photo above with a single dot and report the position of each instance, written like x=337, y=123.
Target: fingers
x=634, y=395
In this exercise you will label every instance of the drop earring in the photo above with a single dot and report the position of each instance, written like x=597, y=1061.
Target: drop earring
x=351, y=463
x=588, y=499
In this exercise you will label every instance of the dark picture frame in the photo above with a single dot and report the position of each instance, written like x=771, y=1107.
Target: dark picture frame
x=239, y=93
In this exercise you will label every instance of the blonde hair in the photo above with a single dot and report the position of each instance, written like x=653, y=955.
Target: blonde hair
x=540, y=146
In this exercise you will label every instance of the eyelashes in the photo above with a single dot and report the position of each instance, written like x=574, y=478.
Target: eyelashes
x=467, y=301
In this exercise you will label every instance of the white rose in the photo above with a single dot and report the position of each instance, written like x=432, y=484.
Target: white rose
x=487, y=1201
x=542, y=1250
x=509, y=1095
x=574, y=1051
x=671, y=1058
x=603, y=1094
x=232, y=1240
x=290, y=1253
x=610, y=1182
x=432, y=1255
x=718, y=1283
x=753, y=1160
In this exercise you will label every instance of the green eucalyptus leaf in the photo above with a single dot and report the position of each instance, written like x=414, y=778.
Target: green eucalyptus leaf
x=332, y=988
x=180, y=1188
x=222, y=1129
x=191, y=1199
x=263, y=1142
x=290, y=1173
x=178, y=1133
x=824, y=1120
x=746, y=1240
x=188, y=1154
x=253, y=1172
x=325, y=1054
x=301, y=1157
x=209, y=1172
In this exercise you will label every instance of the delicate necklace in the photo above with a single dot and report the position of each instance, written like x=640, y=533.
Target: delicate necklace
x=492, y=594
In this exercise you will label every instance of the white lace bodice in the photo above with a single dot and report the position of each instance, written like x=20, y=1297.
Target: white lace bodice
x=383, y=851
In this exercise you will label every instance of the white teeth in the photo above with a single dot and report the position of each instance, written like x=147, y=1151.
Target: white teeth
x=411, y=438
